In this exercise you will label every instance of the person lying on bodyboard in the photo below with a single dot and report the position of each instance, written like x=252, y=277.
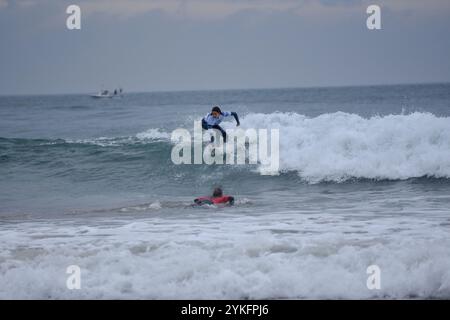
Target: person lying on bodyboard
x=217, y=198
x=215, y=117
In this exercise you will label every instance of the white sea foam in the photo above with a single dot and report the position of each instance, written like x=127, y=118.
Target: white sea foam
x=340, y=146
x=104, y=141
x=146, y=207
x=153, y=134
x=258, y=256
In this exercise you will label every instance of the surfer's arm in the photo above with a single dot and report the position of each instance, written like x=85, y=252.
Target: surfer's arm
x=234, y=114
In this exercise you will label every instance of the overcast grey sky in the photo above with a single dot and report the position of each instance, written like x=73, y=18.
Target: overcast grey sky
x=219, y=44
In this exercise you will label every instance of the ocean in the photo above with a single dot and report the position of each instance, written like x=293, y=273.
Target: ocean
x=364, y=181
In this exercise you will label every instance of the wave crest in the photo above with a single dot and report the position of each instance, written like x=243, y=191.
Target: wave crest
x=341, y=146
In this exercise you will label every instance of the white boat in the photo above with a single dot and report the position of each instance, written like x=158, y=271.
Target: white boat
x=102, y=94
x=106, y=94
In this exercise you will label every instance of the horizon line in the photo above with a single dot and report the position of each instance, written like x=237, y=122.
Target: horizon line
x=237, y=89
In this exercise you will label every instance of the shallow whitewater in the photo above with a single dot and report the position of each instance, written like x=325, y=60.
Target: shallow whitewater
x=227, y=254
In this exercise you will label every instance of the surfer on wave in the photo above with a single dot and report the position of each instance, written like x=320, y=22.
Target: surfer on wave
x=215, y=117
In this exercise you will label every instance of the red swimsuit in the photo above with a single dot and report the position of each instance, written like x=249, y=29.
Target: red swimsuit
x=215, y=200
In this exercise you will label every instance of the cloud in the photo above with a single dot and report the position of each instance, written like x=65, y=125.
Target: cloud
x=21, y=3
x=27, y=3
x=340, y=2
x=202, y=9
x=217, y=9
